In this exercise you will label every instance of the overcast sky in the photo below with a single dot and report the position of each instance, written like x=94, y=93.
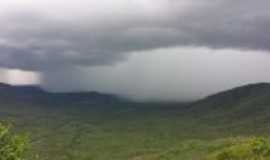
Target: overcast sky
x=143, y=49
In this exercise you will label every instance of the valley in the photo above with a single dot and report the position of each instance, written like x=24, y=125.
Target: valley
x=123, y=130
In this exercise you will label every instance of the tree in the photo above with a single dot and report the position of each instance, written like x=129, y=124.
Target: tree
x=249, y=149
x=12, y=147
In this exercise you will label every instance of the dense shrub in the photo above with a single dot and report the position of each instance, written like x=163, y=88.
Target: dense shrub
x=247, y=149
x=12, y=147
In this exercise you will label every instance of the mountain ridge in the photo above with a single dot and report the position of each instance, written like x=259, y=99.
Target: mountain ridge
x=35, y=94
x=237, y=94
x=244, y=106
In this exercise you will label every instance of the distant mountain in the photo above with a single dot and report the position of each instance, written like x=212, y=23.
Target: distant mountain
x=240, y=101
x=250, y=93
x=249, y=104
x=34, y=94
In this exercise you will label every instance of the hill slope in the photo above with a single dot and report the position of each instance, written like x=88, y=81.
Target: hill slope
x=237, y=95
x=242, y=108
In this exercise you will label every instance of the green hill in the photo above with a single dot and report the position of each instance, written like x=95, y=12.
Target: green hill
x=246, y=107
x=252, y=94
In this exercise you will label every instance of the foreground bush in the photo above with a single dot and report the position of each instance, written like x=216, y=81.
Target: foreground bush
x=12, y=147
x=247, y=149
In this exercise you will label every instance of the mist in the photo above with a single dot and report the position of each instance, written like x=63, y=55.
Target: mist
x=175, y=74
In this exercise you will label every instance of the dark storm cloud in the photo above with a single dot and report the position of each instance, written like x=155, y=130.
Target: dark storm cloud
x=44, y=35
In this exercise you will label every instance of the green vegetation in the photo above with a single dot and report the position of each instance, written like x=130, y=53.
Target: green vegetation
x=221, y=127
x=244, y=149
x=128, y=132
x=12, y=147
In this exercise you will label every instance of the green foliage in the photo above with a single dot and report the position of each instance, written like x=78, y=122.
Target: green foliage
x=12, y=147
x=247, y=149
x=128, y=131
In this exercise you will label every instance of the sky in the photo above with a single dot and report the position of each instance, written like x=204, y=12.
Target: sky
x=142, y=49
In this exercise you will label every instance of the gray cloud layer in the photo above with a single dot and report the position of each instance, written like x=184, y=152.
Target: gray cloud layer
x=76, y=45
x=44, y=35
